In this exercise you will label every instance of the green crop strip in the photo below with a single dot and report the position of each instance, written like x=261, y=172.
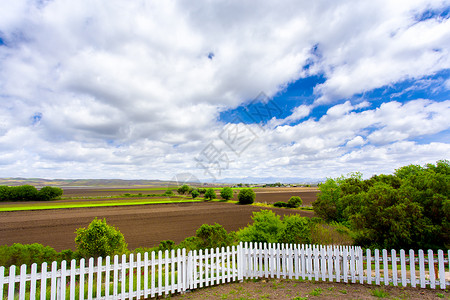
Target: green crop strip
x=22, y=207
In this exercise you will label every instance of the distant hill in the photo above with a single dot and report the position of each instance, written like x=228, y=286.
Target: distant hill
x=263, y=180
x=80, y=182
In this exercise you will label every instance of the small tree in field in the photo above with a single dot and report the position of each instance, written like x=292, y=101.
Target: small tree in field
x=226, y=193
x=184, y=189
x=295, y=202
x=195, y=194
x=246, y=196
x=100, y=239
x=210, y=194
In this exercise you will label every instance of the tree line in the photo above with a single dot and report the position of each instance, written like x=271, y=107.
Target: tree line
x=29, y=193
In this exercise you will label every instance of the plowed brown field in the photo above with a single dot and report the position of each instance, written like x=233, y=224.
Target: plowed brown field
x=142, y=225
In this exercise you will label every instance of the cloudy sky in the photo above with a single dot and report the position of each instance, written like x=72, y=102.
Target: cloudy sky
x=222, y=89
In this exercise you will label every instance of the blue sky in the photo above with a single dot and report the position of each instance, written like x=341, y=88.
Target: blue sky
x=149, y=90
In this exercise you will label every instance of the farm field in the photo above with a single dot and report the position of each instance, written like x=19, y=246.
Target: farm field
x=142, y=225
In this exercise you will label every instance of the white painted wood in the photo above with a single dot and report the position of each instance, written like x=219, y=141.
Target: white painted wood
x=53, y=280
x=99, y=277
x=377, y=266
x=23, y=273
x=217, y=265
x=412, y=268
x=431, y=269
x=337, y=262
x=394, y=267
x=403, y=267
x=2, y=281
x=107, y=276
x=369, y=266
x=360, y=265
x=116, y=277
x=166, y=272
x=352, y=264
x=441, y=269
x=422, y=269
x=207, y=268
x=33, y=280
x=12, y=275
x=345, y=265
x=138, y=275
x=63, y=280
x=385, y=267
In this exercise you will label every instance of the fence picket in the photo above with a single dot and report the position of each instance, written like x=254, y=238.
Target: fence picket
x=107, y=276
x=403, y=267
x=441, y=269
x=385, y=268
x=99, y=278
x=394, y=267
x=32, y=283
x=422, y=269
x=431, y=269
x=63, y=280
x=412, y=268
x=138, y=276
x=116, y=276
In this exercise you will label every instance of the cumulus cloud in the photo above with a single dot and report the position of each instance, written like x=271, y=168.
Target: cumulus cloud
x=134, y=89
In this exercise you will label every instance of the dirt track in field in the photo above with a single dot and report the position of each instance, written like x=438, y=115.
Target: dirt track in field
x=142, y=226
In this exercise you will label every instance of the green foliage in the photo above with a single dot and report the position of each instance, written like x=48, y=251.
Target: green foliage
x=202, y=191
x=49, y=193
x=226, y=193
x=168, y=193
x=195, y=194
x=295, y=201
x=210, y=194
x=166, y=245
x=296, y=230
x=184, y=189
x=409, y=209
x=280, y=204
x=265, y=228
x=100, y=239
x=246, y=196
x=18, y=254
x=213, y=236
x=29, y=193
x=331, y=234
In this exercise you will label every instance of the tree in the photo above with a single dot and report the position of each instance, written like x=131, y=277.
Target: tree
x=214, y=236
x=246, y=196
x=49, y=193
x=195, y=194
x=295, y=201
x=226, y=193
x=183, y=189
x=100, y=239
x=295, y=230
x=265, y=228
x=210, y=194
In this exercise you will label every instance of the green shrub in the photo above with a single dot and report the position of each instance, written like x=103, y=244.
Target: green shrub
x=49, y=193
x=331, y=234
x=295, y=201
x=213, y=236
x=210, y=194
x=226, y=193
x=184, y=189
x=166, y=245
x=195, y=194
x=280, y=204
x=100, y=239
x=265, y=228
x=19, y=254
x=246, y=196
x=295, y=230
x=168, y=193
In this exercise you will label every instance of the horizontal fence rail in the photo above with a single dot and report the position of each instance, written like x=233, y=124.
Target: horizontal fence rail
x=169, y=272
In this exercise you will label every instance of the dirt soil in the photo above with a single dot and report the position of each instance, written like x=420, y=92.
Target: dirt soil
x=142, y=225
x=295, y=289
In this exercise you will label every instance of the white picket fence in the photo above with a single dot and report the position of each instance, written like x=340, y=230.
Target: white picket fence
x=155, y=274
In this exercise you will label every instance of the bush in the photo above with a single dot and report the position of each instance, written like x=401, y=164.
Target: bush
x=195, y=194
x=213, y=236
x=295, y=230
x=295, y=202
x=168, y=193
x=49, y=193
x=246, y=196
x=280, y=204
x=19, y=254
x=210, y=194
x=184, y=189
x=331, y=234
x=166, y=245
x=100, y=239
x=226, y=193
x=265, y=228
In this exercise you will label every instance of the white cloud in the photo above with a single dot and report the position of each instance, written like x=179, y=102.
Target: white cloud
x=126, y=89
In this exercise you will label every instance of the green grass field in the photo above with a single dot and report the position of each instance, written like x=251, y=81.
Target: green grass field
x=84, y=203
